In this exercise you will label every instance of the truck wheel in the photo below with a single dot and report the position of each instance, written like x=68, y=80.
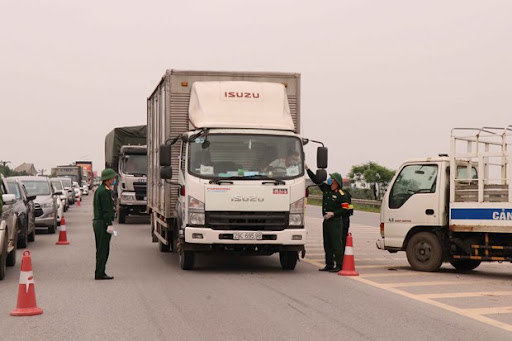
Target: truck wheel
x=187, y=259
x=424, y=252
x=288, y=259
x=3, y=260
x=121, y=217
x=465, y=265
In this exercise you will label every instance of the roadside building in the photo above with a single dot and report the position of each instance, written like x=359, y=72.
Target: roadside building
x=27, y=168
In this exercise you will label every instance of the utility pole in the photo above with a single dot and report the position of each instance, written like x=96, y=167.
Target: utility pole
x=41, y=171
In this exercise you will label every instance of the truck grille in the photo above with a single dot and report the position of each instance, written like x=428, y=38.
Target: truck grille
x=38, y=211
x=248, y=221
x=141, y=190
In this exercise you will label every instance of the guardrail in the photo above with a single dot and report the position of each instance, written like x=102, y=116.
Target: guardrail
x=360, y=202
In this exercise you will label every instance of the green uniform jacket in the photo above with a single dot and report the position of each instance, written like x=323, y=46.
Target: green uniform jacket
x=337, y=202
x=104, y=205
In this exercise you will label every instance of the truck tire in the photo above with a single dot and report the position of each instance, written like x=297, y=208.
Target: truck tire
x=288, y=259
x=121, y=217
x=465, y=265
x=424, y=252
x=187, y=259
x=3, y=259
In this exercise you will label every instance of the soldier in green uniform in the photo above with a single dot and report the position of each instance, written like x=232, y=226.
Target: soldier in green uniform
x=104, y=214
x=335, y=207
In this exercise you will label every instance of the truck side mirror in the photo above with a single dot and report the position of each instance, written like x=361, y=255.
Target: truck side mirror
x=165, y=155
x=9, y=199
x=321, y=157
x=166, y=172
x=321, y=175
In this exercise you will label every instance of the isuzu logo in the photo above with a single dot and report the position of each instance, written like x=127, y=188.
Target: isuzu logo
x=247, y=198
x=236, y=94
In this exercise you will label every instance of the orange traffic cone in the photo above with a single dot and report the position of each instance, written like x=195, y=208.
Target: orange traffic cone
x=63, y=237
x=349, y=266
x=26, y=305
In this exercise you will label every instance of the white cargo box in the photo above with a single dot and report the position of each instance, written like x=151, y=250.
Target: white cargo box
x=168, y=115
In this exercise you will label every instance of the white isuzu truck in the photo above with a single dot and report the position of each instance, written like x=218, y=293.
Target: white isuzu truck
x=455, y=208
x=226, y=164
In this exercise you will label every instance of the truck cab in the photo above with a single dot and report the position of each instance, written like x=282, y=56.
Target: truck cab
x=455, y=208
x=132, y=187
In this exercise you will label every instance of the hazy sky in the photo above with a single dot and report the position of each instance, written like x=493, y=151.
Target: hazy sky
x=381, y=80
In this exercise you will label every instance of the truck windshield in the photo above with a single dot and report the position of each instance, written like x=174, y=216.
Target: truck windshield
x=57, y=184
x=246, y=157
x=413, y=179
x=37, y=187
x=136, y=164
x=66, y=182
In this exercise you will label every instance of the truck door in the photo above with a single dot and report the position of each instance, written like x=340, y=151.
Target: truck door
x=412, y=201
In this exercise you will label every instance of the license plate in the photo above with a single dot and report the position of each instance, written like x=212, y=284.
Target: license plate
x=247, y=236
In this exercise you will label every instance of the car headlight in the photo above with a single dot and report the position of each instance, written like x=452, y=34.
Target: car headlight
x=195, y=211
x=47, y=205
x=297, y=213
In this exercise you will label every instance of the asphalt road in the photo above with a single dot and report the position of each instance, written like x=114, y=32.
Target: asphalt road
x=243, y=298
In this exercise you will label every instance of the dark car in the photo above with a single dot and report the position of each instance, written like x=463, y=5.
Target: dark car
x=25, y=210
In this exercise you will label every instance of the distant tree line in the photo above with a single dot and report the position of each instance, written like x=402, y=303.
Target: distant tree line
x=6, y=171
x=369, y=180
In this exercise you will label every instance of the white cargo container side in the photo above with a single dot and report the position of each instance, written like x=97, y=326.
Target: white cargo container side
x=173, y=116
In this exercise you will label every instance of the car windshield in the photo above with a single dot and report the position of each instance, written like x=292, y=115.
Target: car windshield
x=14, y=189
x=136, y=164
x=57, y=184
x=244, y=156
x=37, y=187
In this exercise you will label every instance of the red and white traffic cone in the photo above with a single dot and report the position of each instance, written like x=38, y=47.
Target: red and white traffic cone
x=26, y=305
x=78, y=201
x=63, y=237
x=349, y=266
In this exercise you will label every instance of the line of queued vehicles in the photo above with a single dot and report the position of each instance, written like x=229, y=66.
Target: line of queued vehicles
x=30, y=203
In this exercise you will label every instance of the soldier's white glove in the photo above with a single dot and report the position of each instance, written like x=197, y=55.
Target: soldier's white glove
x=328, y=215
x=110, y=229
x=306, y=166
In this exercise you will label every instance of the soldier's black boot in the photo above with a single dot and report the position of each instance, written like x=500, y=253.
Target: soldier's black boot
x=326, y=268
x=335, y=269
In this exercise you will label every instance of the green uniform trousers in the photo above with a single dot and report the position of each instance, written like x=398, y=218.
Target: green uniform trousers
x=102, y=246
x=333, y=245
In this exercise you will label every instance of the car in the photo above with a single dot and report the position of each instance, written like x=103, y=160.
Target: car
x=78, y=191
x=68, y=186
x=8, y=230
x=24, y=209
x=58, y=185
x=85, y=187
x=45, y=201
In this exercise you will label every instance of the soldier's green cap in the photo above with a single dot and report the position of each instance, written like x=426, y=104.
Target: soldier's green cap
x=108, y=173
x=338, y=178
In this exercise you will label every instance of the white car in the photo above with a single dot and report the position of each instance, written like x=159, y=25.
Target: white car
x=85, y=188
x=78, y=190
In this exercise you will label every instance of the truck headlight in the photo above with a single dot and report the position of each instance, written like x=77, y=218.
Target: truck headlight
x=128, y=196
x=195, y=211
x=297, y=213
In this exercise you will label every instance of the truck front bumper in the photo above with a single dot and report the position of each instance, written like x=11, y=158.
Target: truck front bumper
x=380, y=244
x=200, y=235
